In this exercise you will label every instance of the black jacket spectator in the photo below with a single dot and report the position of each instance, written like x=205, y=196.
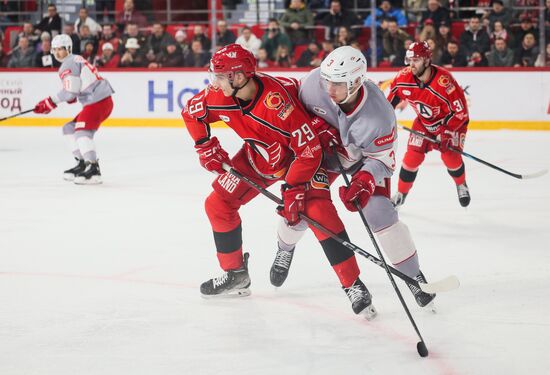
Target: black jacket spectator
x=172, y=56
x=453, y=57
x=197, y=58
x=310, y=57
x=201, y=37
x=224, y=36
x=527, y=53
x=158, y=40
x=499, y=13
x=52, y=22
x=525, y=27
x=475, y=39
x=436, y=13
x=44, y=58
x=337, y=17
x=501, y=55
x=132, y=31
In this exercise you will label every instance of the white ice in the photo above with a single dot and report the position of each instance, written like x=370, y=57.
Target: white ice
x=105, y=279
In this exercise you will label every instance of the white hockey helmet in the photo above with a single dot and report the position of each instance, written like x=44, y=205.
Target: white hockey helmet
x=346, y=65
x=63, y=40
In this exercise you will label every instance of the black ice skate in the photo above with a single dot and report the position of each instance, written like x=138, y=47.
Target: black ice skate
x=422, y=298
x=281, y=266
x=90, y=176
x=70, y=174
x=463, y=194
x=399, y=199
x=361, y=300
x=232, y=283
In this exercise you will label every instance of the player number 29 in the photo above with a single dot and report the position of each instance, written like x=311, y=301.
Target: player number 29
x=304, y=130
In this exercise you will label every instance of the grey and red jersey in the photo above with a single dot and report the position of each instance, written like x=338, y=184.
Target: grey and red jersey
x=81, y=81
x=368, y=133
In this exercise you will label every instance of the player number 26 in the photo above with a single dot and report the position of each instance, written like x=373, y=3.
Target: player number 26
x=299, y=133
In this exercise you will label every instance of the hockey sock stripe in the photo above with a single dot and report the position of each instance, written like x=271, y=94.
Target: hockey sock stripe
x=227, y=242
x=406, y=175
x=336, y=252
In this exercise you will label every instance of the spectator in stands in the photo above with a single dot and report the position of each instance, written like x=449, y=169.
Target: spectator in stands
x=532, y=13
x=527, y=53
x=105, y=11
x=498, y=13
x=544, y=58
x=45, y=36
x=170, y=57
x=273, y=38
x=344, y=37
x=22, y=56
x=327, y=46
x=84, y=19
x=428, y=31
x=452, y=56
x=248, y=40
x=198, y=57
x=526, y=26
x=224, y=36
x=477, y=60
x=130, y=15
x=393, y=41
x=4, y=58
x=436, y=13
x=310, y=57
x=108, y=58
x=444, y=35
x=499, y=32
x=69, y=30
x=28, y=32
x=337, y=16
x=263, y=59
x=44, y=58
x=132, y=31
x=89, y=52
x=296, y=20
x=108, y=36
x=414, y=10
x=200, y=35
x=500, y=55
x=282, y=57
x=475, y=38
x=85, y=38
x=158, y=40
x=133, y=57
x=181, y=39
x=436, y=51
x=51, y=23
x=399, y=60
x=355, y=44
x=386, y=11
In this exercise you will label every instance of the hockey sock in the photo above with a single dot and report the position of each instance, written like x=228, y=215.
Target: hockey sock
x=287, y=236
x=459, y=175
x=397, y=243
x=86, y=145
x=406, y=180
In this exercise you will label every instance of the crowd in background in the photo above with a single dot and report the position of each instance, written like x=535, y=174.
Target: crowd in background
x=495, y=35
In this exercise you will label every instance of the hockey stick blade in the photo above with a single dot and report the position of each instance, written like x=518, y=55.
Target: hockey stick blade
x=444, y=285
x=534, y=175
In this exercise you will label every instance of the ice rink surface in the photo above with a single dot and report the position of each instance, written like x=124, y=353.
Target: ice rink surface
x=105, y=279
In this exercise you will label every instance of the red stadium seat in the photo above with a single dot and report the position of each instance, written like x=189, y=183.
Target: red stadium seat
x=173, y=29
x=259, y=29
x=364, y=36
x=298, y=50
x=320, y=33
x=457, y=28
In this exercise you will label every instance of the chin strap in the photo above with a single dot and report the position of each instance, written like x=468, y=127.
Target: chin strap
x=236, y=89
x=351, y=94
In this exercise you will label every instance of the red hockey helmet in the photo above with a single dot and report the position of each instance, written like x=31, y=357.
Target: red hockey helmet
x=418, y=49
x=231, y=59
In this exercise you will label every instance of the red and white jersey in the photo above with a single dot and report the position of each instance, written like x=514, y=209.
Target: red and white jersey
x=438, y=102
x=277, y=129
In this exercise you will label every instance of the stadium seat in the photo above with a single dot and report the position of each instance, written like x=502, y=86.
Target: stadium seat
x=364, y=36
x=173, y=29
x=298, y=50
x=259, y=29
x=457, y=28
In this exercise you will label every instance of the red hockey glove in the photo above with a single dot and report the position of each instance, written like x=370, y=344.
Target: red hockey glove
x=361, y=188
x=294, y=203
x=328, y=136
x=212, y=156
x=445, y=139
x=45, y=106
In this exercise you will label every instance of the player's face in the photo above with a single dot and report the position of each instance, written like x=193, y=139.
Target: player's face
x=418, y=65
x=338, y=91
x=59, y=53
x=221, y=81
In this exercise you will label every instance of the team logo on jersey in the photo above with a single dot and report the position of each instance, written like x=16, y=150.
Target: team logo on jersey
x=415, y=140
x=287, y=110
x=450, y=89
x=274, y=100
x=384, y=140
x=406, y=92
x=319, y=110
x=307, y=153
x=320, y=180
x=444, y=81
x=224, y=118
x=425, y=110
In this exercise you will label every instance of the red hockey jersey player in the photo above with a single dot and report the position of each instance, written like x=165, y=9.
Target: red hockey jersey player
x=442, y=113
x=279, y=145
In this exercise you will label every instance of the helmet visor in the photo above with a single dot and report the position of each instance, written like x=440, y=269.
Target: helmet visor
x=338, y=91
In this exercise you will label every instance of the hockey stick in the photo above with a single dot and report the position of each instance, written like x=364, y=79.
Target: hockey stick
x=421, y=345
x=17, y=114
x=516, y=175
x=444, y=285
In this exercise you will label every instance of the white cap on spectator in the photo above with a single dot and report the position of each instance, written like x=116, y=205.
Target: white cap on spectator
x=132, y=43
x=107, y=46
x=180, y=33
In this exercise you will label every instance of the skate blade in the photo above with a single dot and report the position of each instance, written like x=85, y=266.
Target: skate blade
x=430, y=307
x=95, y=180
x=369, y=312
x=68, y=176
x=244, y=292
